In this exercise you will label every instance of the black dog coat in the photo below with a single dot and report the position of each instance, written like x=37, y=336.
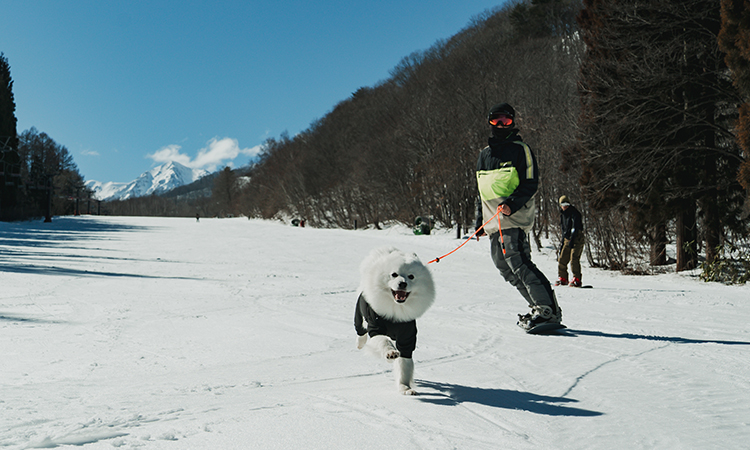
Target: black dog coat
x=403, y=333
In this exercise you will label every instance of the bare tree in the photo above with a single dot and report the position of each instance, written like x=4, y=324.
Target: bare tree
x=407, y=147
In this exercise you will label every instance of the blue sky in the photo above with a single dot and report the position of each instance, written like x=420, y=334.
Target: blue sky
x=125, y=85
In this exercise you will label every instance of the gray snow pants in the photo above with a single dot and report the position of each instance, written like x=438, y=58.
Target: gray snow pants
x=518, y=269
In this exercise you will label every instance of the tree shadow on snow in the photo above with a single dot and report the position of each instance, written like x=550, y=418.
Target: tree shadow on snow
x=26, y=241
x=676, y=340
x=56, y=270
x=16, y=319
x=61, y=231
x=454, y=394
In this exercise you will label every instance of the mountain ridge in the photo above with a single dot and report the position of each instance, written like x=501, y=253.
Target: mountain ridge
x=158, y=180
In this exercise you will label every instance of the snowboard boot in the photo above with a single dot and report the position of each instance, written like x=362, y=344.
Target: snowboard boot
x=576, y=282
x=561, y=281
x=523, y=320
x=539, y=315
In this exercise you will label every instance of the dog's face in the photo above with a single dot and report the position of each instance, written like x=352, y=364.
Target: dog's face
x=402, y=280
x=397, y=284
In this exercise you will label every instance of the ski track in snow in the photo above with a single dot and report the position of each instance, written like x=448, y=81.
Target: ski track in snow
x=175, y=334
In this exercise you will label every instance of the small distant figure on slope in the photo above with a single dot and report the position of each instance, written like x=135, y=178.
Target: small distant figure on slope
x=571, y=247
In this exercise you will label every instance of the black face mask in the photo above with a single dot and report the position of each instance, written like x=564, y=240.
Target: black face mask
x=501, y=133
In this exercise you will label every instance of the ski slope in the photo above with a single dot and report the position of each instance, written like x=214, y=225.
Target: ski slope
x=155, y=333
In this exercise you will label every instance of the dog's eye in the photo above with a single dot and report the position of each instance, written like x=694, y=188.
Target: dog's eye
x=394, y=275
x=411, y=277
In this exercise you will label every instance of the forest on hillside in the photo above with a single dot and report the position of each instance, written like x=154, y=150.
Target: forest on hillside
x=407, y=147
x=633, y=109
x=638, y=111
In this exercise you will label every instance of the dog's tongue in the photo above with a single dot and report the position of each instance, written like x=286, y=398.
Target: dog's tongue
x=400, y=296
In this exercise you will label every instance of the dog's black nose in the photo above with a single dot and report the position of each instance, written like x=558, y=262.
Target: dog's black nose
x=402, y=285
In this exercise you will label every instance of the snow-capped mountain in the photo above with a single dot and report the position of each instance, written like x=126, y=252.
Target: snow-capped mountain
x=156, y=181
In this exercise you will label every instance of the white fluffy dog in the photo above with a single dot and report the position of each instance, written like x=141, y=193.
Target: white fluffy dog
x=395, y=289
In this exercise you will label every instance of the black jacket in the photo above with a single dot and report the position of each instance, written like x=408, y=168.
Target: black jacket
x=507, y=149
x=404, y=333
x=571, y=224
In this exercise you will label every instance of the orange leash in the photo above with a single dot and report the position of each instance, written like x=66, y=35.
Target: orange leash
x=469, y=238
x=500, y=228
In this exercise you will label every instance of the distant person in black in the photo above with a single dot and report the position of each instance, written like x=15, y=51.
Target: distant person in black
x=571, y=249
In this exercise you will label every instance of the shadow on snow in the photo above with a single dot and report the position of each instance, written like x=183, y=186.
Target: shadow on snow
x=19, y=237
x=60, y=232
x=676, y=340
x=52, y=270
x=64, y=228
x=454, y=394
x=6, y=318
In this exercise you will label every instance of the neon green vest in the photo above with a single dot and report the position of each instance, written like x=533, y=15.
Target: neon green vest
x=497, y=183
x=501, y=182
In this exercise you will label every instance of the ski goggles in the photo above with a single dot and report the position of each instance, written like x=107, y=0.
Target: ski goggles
x=501, y=119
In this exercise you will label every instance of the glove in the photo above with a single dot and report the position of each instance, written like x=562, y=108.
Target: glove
x=480, y=232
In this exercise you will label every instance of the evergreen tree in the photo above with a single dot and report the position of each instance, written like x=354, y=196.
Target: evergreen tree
x=225, y=192
x=734, y=41
x=7, y=105
x=657, y=109
x=9, y=160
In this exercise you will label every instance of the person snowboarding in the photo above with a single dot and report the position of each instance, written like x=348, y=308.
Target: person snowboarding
x=571, y=248
x=507, y=179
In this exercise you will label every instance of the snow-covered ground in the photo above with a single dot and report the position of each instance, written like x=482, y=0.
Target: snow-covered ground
x=237, y=334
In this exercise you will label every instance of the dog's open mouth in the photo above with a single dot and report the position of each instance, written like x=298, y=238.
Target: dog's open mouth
x=400, y=296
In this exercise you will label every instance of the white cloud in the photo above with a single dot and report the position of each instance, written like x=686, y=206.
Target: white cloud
x=89, y=153
x=170, y=153
x=218, y=152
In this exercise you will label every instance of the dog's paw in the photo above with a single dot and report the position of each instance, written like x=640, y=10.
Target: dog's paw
x=392, y=354
x=361, y=341
x=406, y=390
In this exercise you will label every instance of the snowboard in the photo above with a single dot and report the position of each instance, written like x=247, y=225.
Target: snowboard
x=543, y=328
x=585, y=286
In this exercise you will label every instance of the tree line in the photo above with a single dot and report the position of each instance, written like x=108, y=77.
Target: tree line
x=657, y=134
x=214, y=195
x=38, y=177
x=407, y=147
x=637, y=111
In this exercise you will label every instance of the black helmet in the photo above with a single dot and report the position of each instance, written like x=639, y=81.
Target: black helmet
x=502, y=108
x=501, y=116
